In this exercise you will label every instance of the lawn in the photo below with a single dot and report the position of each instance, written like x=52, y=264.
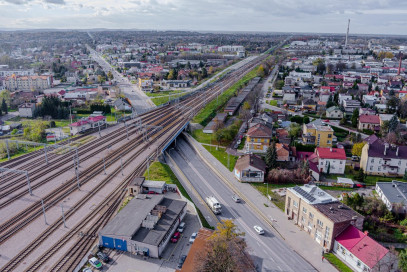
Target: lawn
x=201, y=137
x=222, y=156
x=164, y=93
x=279, y=201
x=209, y=111
x=273, y=103
x=337, y=263
x=162, y=172
x=369, y=180
x=161, y=100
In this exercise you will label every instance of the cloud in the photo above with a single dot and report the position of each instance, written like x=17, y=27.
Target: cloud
x=17, y=2
x=57, y=2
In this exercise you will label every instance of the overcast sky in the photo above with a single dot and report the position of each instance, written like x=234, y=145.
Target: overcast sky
x=367, y=16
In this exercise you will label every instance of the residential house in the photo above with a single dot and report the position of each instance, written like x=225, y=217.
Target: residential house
x=343, y=97
x=289, y=98
x=258, y=139
x=385, y=117
x=331, y=160
x=309, y=104
x=324, y=97
x=87, y=123
x=363, y=87
x=366, y=111
x=394, y=195
x=250, y=168
x=369, y=122
x=350, y=106
x=370, y=100
x=26, y=110
x=319, y=214
x=27, y=83
x=145, y=84
x=381, y=108
x=121, y=105
x=285, y=152
x=334, y=112
x=361, y=253
x=381, y=159
x=318, y=135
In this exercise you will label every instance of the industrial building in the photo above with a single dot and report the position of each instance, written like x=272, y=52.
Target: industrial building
x=144, y=226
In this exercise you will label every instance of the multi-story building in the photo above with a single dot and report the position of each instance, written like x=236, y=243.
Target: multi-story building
x=17, y=72
x=370, y=122
x=334, y=112
x=27, y=83
x=381, y=159
x=394, y=195
x=322, y=216
x=26, y=110
x=258, y=139
x=318, y=135
x=250, y=168
x=331, y=160
x=145, y=84
x=231, y=48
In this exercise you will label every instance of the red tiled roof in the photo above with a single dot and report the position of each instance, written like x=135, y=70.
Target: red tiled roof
x=259, y=130
x=362, y=246
x=331, y=153
x=371, y=119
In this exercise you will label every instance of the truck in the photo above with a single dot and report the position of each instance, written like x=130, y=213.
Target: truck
x=213, y=204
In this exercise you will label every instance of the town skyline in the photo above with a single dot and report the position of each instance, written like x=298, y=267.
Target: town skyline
x=367, y=17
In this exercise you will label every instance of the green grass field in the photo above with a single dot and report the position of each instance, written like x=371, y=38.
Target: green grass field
x=337, y=263
x=209, y=111
x=161, y=100
x=222, y=156
x=203, y=137
x=279, y=201
x=273, y=103
x=164, y=93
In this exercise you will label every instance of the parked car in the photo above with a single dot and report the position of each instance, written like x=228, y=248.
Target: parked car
x=87, y=269
x=258, y=229
x=360, y=185
x=181, y=227
x=152, y=193
x=236, y=198
x=355, y=158
x=181, y=261
x=193, y=237
x=95, y=263
x=103, y=257
x=175, y=237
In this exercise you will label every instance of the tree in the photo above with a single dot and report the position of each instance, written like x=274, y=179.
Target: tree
x=405, y=175
x=246, y=106
x=393, y=123
x=225, y=250
x=361, y=175
x=330, y=102
x=4, y=106
x=109, y=75
x=210, y=70
x=343, y=121
x=393, y=104
x=295, y=130
x=6, y=95
x=204, y=72
x=271, y=156
x=355, y=117
x=357, y=149
x=403, y=260
x=172, y=74
x=260, y=71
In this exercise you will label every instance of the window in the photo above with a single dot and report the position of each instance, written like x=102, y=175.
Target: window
x=302, y=219
x=399, y=163
x=309, y=225
x=329, y=135
x=311, y=215
x=320, y=223
x=327, y=230
x=340, y=162
x=372, y=161
x=295, y=204
x=304, y=210
x=379, y=168
x=359, y=263
x=371, y=168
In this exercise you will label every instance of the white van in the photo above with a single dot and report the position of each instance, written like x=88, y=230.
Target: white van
x=181, y=227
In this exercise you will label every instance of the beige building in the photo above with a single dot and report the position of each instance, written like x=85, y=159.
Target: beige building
x=322, y=216
x=27, y=83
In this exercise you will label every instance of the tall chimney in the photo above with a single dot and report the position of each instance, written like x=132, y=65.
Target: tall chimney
x=347, y=34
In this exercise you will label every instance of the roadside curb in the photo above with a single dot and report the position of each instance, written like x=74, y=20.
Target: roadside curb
x=194, y=191
x=232, y=186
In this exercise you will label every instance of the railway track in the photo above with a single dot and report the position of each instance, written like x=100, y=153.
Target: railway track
x=195, y=103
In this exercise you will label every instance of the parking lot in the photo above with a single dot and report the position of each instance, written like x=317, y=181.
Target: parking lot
x=124, y=261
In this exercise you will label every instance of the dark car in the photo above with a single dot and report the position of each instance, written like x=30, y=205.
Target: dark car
x=152, y=193
x=181, y=261
x=175, y=237
x=103, y=257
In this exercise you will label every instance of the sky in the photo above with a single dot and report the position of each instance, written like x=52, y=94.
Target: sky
x=320, y=16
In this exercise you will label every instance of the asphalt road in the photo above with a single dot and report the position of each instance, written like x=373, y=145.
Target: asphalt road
x=269, y=251
x=139, y=100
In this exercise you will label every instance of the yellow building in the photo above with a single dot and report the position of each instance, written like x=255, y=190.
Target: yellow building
x=258, y=139
x=319, y=135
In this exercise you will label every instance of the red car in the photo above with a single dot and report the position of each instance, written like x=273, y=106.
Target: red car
x=327, y=121
x=152, y=193
x=360, y=185
x=175, y=237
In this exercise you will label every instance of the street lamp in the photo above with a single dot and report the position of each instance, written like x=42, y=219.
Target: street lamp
x=267, y=194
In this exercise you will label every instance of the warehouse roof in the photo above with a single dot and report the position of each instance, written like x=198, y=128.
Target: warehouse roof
x=129, y=219
x=156, y=235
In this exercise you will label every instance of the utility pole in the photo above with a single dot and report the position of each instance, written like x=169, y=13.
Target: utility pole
x=43, y=211
x=63, y=216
